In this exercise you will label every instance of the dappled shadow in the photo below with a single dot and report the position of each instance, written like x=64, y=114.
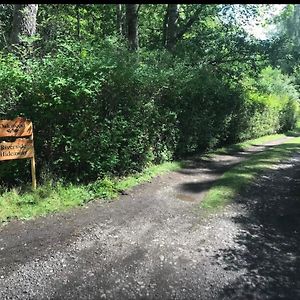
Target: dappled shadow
x=198, y=166
x=294, y=133
x=196, y=187
x=212, y=170
x=198, y=162
x=267, y=247
x=218, y=170
x=239, y=150
x=218, y=165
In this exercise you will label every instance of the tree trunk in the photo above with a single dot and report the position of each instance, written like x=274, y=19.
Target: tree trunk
x=296, y=24
x=77, y=21
x=24, y=22
x=171, y=30
x=132, y=26
x=165, y=24
x=119, y=18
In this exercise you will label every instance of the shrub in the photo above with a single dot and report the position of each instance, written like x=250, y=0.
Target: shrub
x=100, y=111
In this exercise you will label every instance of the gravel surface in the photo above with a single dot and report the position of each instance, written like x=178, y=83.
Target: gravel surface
x=155, y=242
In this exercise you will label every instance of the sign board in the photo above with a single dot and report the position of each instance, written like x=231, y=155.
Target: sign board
x=16, y=142
x=19, y=127
x=22, y=148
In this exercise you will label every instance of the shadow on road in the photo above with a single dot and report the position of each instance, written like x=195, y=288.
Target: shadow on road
x=268, y=245
x=212, y=170
x=219, y=164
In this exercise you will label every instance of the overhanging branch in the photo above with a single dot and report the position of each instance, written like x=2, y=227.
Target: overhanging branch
x=189, y=23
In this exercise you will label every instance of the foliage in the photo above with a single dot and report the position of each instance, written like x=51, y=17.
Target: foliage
x=98, y=111
x=273, y=81
x=285, y=48
x=6, y=16
x=277, y=96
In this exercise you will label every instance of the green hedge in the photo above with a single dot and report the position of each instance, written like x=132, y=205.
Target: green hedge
x=103, y=111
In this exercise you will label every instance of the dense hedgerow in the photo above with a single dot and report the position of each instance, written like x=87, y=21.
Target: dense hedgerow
x=101, y=111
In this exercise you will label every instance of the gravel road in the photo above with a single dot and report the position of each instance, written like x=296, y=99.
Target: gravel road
x=155, y=242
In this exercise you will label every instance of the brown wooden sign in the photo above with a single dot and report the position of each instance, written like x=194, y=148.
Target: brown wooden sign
x=22, y=147
x=19, y=127
x=18, y=149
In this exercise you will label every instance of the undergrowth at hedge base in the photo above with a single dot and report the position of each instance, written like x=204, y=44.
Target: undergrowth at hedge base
x=53, y=196
x=22, y=203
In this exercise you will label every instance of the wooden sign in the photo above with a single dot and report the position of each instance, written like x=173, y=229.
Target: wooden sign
x=19, y=127
x=22, y=130
x=22, y=148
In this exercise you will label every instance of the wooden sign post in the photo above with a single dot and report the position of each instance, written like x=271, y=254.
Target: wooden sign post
x=17, y=142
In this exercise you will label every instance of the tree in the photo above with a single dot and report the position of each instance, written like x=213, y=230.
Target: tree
x=132, y=26
x=171, y=28
x=24, y=22
x=293, y=26
x=285, y=48
x=120, y=20
x=173, y=31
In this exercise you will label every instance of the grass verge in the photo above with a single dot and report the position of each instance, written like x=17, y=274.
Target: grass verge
x=52, y=197
x=236, y=179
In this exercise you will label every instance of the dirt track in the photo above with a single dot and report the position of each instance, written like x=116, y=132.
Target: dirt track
x=154, y=243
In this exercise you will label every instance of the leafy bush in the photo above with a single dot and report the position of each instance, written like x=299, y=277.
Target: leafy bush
x=101, y=111
x=272, y=104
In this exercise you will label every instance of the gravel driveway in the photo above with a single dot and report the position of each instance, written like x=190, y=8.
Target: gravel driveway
x=155, y=242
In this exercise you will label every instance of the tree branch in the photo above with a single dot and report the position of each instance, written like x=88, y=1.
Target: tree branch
x=189, y=23
x=236, y=59
x=137, y=11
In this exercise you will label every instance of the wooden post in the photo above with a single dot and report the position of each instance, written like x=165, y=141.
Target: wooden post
x=32, y=160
